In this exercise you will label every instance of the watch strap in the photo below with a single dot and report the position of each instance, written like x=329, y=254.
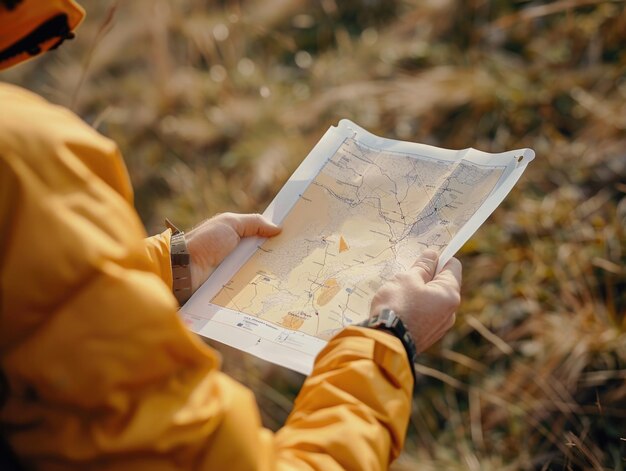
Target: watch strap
x=180, y=258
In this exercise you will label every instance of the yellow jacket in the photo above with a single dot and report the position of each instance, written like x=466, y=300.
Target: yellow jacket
x=102, y=373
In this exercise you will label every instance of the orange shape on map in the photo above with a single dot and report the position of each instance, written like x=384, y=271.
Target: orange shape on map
x=328, y=291
x=343, y=245
x=292, y=321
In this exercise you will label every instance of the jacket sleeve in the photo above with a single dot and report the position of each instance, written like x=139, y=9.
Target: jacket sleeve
x=158, y=252
x=103, y=374
x=353, y=411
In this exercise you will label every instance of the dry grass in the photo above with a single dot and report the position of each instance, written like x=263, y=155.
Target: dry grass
x=214, y=107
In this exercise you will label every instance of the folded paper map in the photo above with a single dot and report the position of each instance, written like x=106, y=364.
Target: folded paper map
x=359, y=209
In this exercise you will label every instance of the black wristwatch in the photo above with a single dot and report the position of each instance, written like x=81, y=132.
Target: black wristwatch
x=387, y=320
x=181, y=272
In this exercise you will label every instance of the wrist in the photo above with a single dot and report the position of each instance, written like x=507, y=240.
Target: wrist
x=199, y=263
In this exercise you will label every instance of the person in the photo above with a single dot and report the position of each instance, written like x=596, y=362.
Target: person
x=101, y=374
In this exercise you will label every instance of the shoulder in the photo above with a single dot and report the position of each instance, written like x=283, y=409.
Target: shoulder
x=26, y=119
x=51, y=140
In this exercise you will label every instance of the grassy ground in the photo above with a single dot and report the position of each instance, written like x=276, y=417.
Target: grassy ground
x=215, y=106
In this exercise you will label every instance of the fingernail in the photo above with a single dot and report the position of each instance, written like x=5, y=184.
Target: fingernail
x=430, y=254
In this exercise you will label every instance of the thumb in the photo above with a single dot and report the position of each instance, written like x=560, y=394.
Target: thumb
x=426, y=264
x=255, y=224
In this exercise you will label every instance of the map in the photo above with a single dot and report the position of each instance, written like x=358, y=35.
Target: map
x=365, y=211
x=366, y=216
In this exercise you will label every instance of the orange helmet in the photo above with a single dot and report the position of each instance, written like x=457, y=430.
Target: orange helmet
x=30, y=27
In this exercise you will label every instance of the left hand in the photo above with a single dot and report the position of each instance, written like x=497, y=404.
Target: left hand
x=211, y=241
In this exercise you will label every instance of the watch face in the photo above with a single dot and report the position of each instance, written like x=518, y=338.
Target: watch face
x=387, y=317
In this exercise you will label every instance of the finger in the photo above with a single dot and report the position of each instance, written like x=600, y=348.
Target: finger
x=426, y=264
x=451, y=274
x=255, y=225
x=451, y=321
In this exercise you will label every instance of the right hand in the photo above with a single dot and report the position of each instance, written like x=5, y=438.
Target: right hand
x=426, y=303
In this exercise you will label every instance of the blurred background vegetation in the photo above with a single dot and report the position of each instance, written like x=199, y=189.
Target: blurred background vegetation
x=214, y=104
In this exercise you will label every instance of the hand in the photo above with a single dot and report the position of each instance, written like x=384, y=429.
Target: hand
x=210, y=242
x=426, y=303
